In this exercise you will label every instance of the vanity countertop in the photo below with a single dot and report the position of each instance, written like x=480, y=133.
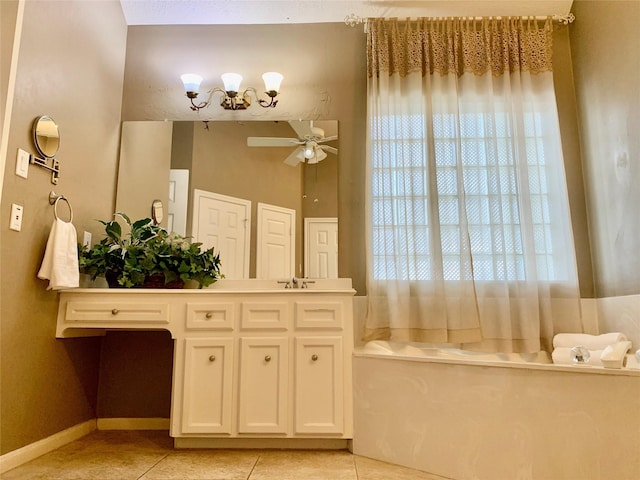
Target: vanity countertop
x=320, y=285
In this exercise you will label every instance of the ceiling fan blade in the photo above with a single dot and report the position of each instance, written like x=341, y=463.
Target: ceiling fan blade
x=329, y=149
x=302, y=128
x=295, y=157
x=328, y=139
x=272, y=142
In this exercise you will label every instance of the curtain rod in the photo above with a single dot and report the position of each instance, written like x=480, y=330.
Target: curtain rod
x=352, y=19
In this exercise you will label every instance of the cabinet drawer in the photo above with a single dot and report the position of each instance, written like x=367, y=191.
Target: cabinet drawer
x=116, y=312
x=264, y=315
x=210, y=316
x=320, y=315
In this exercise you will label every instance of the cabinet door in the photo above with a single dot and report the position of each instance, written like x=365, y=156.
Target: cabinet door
x=263, y=385
x=319, y=389
x=208, y=373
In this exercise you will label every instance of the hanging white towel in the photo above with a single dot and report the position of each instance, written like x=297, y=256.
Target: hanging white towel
x=60, y=262
x=590, y=342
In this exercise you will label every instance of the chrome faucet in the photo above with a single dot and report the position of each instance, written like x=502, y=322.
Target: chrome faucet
x=305, y=282
x=288, y=283
x=296, y=282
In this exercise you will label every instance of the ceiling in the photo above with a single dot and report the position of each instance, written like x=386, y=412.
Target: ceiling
x=221, y=12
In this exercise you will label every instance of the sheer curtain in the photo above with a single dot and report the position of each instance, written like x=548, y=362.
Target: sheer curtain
x=469, y=236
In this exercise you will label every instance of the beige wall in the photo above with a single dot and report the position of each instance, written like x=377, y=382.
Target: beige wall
x=605, y=47
x=71, y=66
x=567, y=113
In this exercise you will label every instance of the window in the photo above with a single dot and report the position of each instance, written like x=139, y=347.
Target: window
x=419, y=205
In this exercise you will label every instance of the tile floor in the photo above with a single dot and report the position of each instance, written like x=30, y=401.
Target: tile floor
x=149, y=455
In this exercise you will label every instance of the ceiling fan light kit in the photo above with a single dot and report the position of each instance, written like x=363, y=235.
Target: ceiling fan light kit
x=310, y=148
x=232, y=98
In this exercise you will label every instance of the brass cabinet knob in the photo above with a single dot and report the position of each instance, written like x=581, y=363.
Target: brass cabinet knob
x=212, y=358
x=208, y=315
x=115, y=311
x=314, y=357
x=267, y=358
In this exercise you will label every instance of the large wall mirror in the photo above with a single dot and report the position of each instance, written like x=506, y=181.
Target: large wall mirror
x=271, y=211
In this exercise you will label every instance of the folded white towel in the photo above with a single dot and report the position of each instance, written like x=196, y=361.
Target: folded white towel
x=562, y=356
x=590, y=342
x=60, y=262
x=613, y=356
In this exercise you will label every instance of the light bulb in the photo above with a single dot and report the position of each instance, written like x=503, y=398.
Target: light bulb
x=191, y=82
x=310, y=150
x=272, y=81
x=231, y=82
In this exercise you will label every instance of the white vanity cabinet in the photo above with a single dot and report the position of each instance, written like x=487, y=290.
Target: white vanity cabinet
x=260, y=365
x=291, y=371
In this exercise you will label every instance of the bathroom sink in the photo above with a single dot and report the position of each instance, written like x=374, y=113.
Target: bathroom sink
x=312, y=284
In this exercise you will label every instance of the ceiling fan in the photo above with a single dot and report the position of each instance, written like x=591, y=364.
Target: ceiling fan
x=309, y=144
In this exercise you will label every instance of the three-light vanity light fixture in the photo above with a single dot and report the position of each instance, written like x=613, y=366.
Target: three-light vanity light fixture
x=232, y=97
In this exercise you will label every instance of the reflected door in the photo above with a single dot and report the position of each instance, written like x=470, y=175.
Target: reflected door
x=275, y=253
x=177, y=205
x=224, y=222
x=321, y=247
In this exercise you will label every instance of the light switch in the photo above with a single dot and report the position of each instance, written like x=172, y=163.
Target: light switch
x=86, y=240
x=15, y=223
x=22, y=163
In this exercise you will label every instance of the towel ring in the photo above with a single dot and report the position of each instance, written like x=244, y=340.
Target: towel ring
x=54, y=199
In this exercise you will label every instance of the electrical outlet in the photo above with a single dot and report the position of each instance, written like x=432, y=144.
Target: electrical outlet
x=22, y=163
x=86, y=240
x=15, y=223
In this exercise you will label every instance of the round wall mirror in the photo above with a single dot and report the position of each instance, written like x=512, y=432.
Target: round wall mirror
x=46, y=136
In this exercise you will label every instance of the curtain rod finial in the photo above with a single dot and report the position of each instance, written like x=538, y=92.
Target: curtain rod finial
x=352, y=20
x=565, y=19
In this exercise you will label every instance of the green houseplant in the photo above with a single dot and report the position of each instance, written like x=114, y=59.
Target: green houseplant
x=148, y=256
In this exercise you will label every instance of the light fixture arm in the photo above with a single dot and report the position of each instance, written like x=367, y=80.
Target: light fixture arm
x=193, y=95
x=263, y=103
x=266, y=103
x=231, y=99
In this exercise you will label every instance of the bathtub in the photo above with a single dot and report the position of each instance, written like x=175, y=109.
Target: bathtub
x=468, y=415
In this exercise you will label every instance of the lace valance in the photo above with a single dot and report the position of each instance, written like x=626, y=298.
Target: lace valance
x=459, y=45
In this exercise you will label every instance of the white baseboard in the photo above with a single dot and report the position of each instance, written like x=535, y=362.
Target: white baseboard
x=34, y=450
x=14, y=459
x=133, y=424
